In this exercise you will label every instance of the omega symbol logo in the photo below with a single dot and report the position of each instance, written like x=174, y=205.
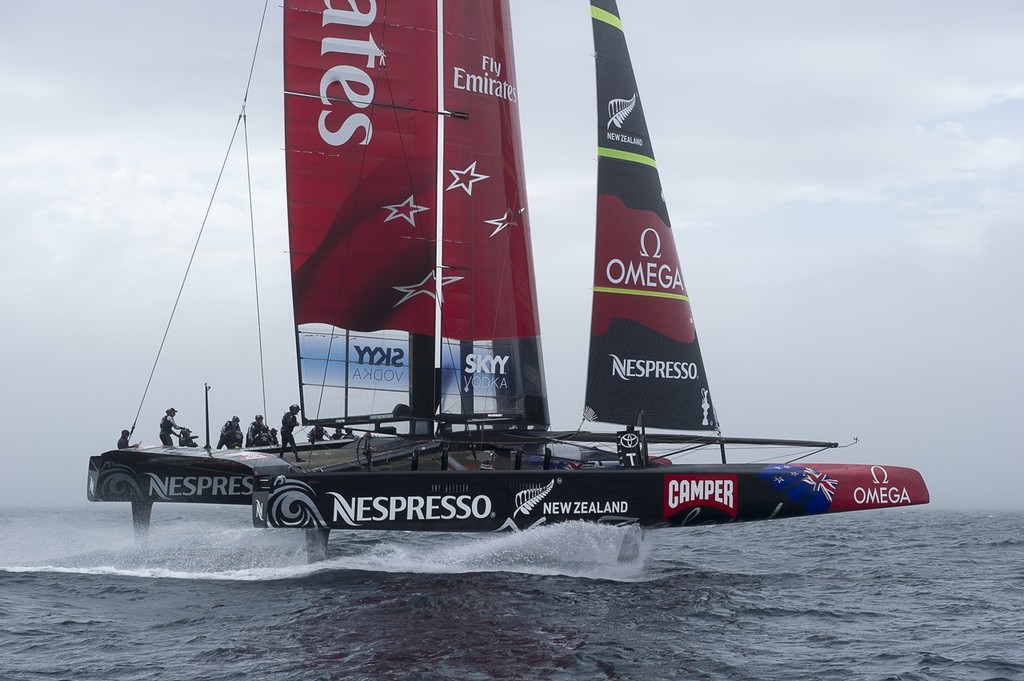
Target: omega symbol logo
x=644, y=240
x=875, y=475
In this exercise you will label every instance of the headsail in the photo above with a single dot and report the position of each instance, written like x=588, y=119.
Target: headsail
x=644, y=355
x=363, y=141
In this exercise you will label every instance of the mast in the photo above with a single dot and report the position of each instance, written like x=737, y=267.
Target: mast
x=644, y=355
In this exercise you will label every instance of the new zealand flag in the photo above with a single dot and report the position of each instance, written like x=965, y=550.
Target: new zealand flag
x=805, y=487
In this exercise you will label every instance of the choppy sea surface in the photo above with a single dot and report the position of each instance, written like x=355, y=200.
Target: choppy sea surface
x=914, y=594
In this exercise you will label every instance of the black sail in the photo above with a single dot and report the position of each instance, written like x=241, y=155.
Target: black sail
x=645, y=362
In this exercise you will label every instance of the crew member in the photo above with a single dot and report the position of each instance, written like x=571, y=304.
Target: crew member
x=122, y=442
x=186, y=439
x=318, y=434
x=168, y=426
x=257, y=435
x=288, y=424
x=231, y=434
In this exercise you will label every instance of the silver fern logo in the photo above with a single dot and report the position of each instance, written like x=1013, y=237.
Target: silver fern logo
x=619, y=110
x=528, y=498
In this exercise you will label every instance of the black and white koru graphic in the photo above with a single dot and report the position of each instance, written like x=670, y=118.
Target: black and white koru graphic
x=117, y=482
x=293, y=504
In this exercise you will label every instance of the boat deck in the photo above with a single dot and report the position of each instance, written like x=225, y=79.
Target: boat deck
x=387, y=454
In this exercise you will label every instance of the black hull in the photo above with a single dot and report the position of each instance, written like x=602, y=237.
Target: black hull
x=170, y=476
x=654, y=497
x=351, y=497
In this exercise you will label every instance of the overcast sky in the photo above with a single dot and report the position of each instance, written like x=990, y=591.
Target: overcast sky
x=844, y=178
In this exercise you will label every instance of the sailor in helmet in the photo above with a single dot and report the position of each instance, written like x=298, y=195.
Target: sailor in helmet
x=122, y=442
x=168, y=426
x=257, y=435
x=231, y=434
x=288, y=424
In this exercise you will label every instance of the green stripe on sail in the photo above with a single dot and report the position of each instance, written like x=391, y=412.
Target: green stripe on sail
x=605, y=16
x=626, y=156
x=634, y=292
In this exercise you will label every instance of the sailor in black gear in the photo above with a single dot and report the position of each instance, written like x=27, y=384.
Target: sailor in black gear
x=168, y=426
x=231, y=434
x=318, y=434
x=186, y=439
x=258, y=434
x=288, y=424
x=122, y=442
x=342, y=434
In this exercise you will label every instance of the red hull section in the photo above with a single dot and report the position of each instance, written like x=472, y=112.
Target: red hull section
x=866, y=487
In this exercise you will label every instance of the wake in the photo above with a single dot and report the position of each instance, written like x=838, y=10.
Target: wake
x=198, y=549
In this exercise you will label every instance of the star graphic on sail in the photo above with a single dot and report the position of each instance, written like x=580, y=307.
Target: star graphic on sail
x=506, y=220
x=406, y=210
x=466, y=178
x=425, y=287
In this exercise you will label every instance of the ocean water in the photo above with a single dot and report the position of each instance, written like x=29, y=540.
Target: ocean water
x=914, y=594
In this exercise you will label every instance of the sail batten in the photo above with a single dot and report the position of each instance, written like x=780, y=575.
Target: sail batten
x=645, y=363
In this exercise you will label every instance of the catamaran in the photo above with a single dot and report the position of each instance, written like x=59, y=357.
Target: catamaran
x=416, y=319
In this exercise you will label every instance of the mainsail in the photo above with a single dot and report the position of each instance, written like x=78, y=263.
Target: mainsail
x=644, y=357
x=395, y=316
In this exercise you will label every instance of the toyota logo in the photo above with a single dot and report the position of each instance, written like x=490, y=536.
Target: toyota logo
x=629, y=441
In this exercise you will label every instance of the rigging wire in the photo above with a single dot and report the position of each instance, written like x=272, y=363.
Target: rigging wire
x=252, y=218
x=255, y=273
x=188, y=269
x=202, y=227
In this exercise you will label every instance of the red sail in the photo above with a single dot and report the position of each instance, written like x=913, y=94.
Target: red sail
x=486, y=226
x=362, y=120
x=489, y=320
x=361, y=143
